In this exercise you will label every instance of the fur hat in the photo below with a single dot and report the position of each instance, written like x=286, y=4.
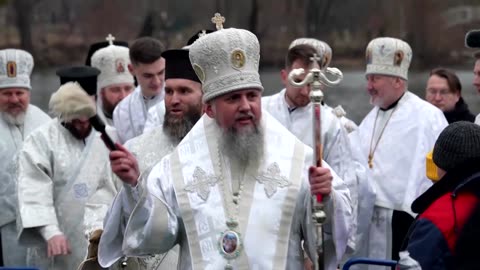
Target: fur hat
x=457, y=145
x=84, y=75
x=225, y=61
x=15, y=68
x=70, y=102
x=388, y=56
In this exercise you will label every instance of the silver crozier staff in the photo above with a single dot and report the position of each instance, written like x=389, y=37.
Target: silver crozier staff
x=316, y=77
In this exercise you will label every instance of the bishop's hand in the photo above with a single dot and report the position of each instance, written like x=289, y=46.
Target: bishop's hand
x=320, y=180
x=58, y=245
x=124, y=165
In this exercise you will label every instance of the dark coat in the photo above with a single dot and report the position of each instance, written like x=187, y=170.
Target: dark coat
x=444, y=211
x=460, y=113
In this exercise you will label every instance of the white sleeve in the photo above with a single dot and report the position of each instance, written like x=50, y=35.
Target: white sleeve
x=153, y=225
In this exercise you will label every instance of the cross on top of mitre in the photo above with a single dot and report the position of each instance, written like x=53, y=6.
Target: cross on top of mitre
x=315, y=59
x=203, y=33
x=218, y=20
x=110, y=39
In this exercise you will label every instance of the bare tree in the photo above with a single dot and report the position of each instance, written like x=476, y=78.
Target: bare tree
x=24, y=18
x=317, y=16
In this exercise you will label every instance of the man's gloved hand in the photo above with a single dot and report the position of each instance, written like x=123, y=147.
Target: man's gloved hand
x=91, y=263
x=93, y=246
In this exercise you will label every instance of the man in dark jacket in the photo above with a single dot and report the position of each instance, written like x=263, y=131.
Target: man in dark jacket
x=444, y=90
x=445, y=208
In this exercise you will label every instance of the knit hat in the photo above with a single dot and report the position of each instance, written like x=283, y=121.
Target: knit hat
x=388, y=56
x=15, y=68
x=323, y=50
x=225, y=61
x=113, y=63
x=458, y=144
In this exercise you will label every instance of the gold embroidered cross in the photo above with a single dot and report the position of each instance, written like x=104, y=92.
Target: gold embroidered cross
x=110, y=39
x=218, y=20
x=272, y=179
x=201, y=183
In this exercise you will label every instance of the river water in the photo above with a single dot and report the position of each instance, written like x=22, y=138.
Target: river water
x=350, y=93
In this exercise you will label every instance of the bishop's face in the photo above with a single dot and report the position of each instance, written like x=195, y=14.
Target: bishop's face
x=239, y=110
x=14, y=101
x=381, y=89
x=112, y=95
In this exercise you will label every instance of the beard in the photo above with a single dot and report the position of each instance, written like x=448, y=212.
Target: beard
x=79, y=134
x=16, y=120
x=244, y=146
x=177, y=128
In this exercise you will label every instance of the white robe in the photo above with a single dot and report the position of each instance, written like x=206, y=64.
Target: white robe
x=167, y=214
x=155, y=117
x=336, y=146
x=57, y=174
x=148, y=148
x=11, y=141
x=399, y=170
x=477, y=119
x=131, y=113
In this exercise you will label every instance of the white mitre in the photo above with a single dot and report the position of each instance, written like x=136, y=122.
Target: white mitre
x=323, y=50
x=113, y=63
x=225, y=61
x=388, y=56
x=15, y=68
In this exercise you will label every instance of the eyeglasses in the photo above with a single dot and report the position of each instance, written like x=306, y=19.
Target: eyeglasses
x=442, y=92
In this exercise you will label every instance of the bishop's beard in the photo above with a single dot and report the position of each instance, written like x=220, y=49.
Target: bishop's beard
x=244, y=146
x=177, y=128
x=16, y=120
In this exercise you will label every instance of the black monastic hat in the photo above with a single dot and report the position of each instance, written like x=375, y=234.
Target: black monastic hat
x=198, y=35
x=178, y=66
x=83, y=75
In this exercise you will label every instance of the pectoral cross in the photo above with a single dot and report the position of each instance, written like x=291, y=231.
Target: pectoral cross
x=110, y=39
x=218, y=20
x=370, y=161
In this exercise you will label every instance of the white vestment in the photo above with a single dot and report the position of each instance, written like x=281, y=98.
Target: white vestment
x=155, y=117
x=148, y=148
x=477, y=119
x=11, y=141
x=130, y=114
x=399, y=170
x=57, y=174
x=336, y=146
x=183, y=204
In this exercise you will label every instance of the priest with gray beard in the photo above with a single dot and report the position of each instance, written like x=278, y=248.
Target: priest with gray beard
x=183, y=104
x=18, y=119
x=236, y=192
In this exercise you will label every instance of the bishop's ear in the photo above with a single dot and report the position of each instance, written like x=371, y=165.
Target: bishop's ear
x=209, y=109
